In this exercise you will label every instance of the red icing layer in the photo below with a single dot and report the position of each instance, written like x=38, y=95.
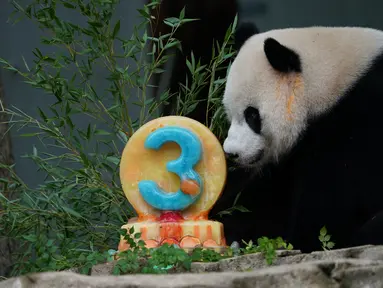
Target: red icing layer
x=171, y=216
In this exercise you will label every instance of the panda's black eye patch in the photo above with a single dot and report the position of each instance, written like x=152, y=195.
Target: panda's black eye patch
x=253, y=119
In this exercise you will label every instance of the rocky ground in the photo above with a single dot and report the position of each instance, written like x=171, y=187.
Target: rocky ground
x=353, y=267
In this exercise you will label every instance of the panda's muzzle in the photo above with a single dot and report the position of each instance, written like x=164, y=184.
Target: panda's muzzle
x=232, y=156
x=259, y=156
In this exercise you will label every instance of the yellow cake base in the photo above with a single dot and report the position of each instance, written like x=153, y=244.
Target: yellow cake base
x=186, y=234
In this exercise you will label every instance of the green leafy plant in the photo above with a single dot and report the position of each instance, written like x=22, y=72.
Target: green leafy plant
x=266, y=246
x=165, y=258
x=324, y=238
x=139, y=259
x=234, y=207
x=47, y=259
x=129, y=260
x=207, y=255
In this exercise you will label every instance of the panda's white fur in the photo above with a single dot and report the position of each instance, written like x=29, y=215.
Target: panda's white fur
x=332, y=59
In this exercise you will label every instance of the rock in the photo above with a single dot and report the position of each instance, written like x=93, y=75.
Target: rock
x=198, y=267
x=372, y=253
x=103, y=269
x=352, y=267
x=257, y=261
x=345, y=253
x=355, y=277
x=318, y=274
x=242, y=263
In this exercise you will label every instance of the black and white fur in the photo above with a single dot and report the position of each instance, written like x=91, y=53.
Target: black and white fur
x=304, y=108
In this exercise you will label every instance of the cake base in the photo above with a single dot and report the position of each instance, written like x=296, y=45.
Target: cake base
x=187, y=234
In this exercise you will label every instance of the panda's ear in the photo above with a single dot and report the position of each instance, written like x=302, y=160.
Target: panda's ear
x=281, y=58
x=244, y=32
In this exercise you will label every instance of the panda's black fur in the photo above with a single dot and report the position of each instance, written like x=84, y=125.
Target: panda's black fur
x=331, y=178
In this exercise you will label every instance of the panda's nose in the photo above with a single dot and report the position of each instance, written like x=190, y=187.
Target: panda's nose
x=231, y=156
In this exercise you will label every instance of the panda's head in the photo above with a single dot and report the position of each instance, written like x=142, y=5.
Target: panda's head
x=282, y=78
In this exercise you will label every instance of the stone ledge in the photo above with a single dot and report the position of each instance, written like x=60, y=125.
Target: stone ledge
x=327, y=274
x=257, y=261
x=352, y=267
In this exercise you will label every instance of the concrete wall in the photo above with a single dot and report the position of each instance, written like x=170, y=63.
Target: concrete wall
x=271, y=14
x=20, y=40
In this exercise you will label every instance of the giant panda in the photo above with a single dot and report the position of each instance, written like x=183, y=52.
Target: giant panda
x=304, y=106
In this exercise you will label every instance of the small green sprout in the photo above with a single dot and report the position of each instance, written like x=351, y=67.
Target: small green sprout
x=325, y=239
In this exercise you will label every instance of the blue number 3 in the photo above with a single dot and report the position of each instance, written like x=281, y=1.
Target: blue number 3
x=191, y=151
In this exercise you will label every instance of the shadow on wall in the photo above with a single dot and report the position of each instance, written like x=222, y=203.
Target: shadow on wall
x=215, y=17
